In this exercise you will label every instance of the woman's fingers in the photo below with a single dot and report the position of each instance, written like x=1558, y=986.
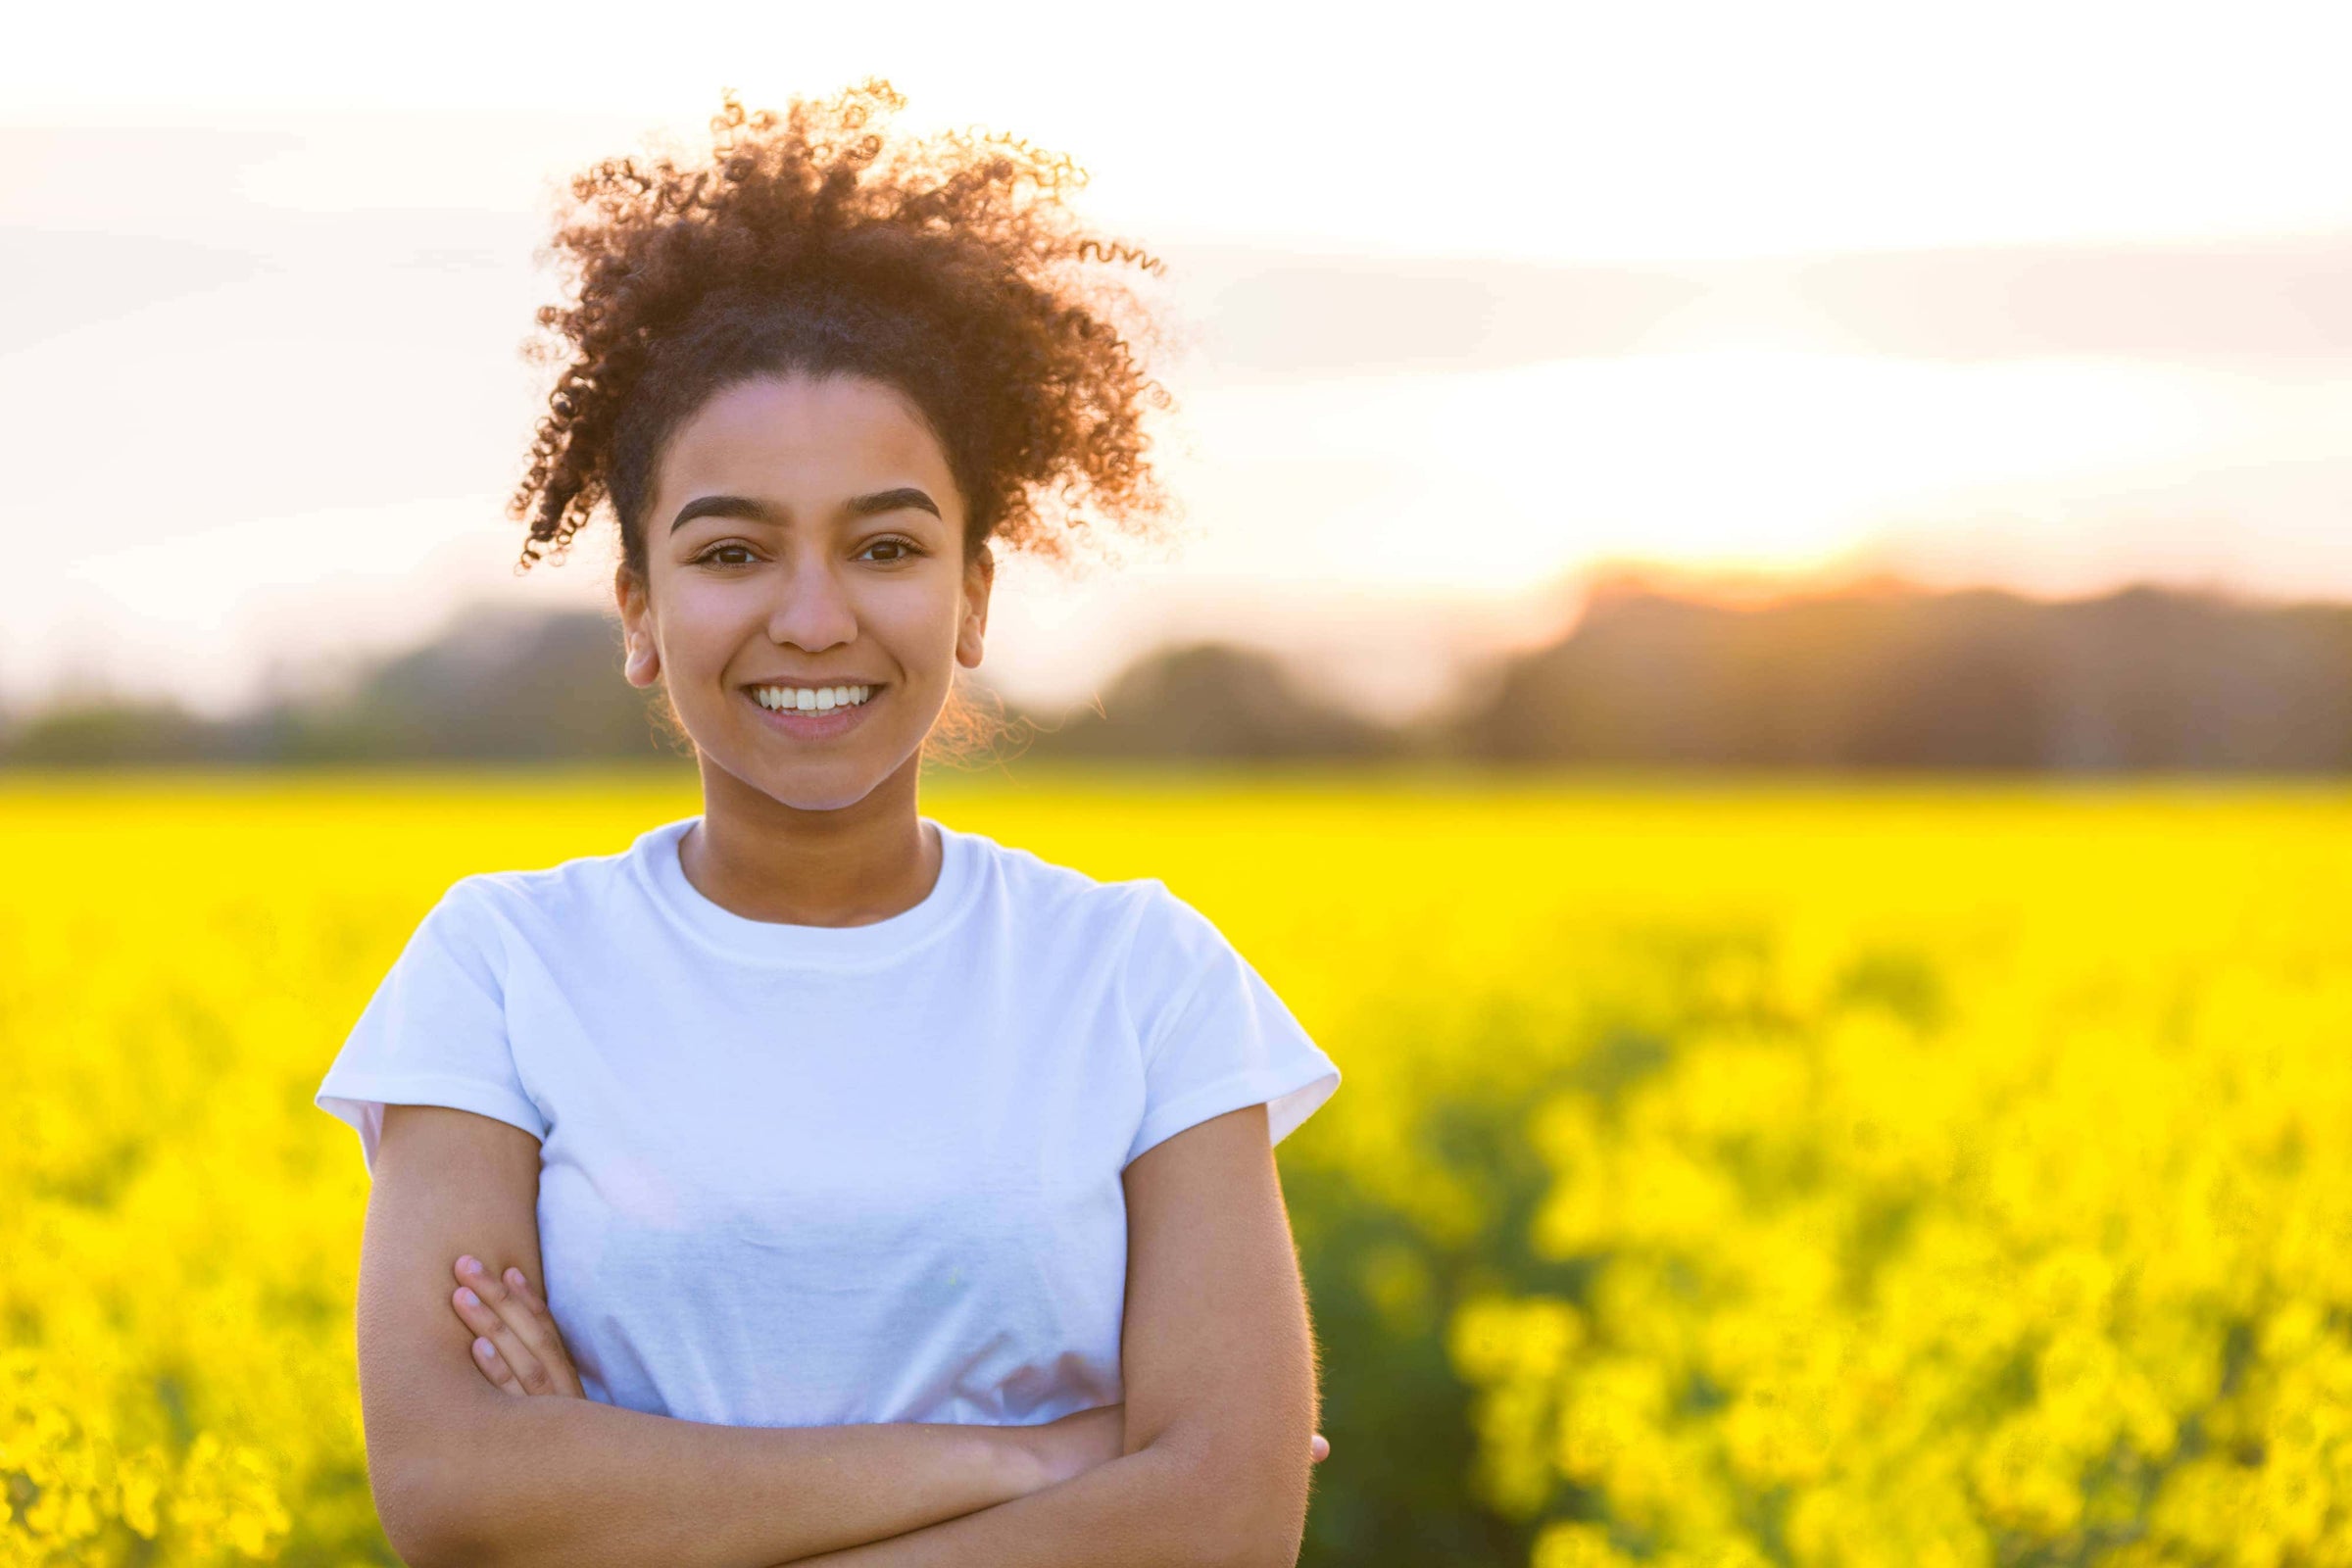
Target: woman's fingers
x=1320, y=1448
x=524, y=1354
x=496, y=1367
x=498, y=1349
x=546, y=1338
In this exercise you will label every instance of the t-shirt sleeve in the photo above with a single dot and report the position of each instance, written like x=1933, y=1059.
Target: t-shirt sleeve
x=1214, y=1035
x=434, y=1033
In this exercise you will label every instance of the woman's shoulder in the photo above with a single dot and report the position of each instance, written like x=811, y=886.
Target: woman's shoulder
x=1040, y=884
x=580, y=887
x=1139, y=917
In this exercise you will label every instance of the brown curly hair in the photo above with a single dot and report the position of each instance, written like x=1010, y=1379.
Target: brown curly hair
x=949, y=266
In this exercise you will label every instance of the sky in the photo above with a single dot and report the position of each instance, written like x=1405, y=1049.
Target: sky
x=1487, y=299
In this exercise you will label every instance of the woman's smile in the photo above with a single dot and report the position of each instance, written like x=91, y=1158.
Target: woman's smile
x=811, y=724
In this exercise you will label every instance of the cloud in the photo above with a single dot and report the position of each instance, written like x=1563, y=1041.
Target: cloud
x=1281, y=316
x=2280, y=307
x=2283, y=305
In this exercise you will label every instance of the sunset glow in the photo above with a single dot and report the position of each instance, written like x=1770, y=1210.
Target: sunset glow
x=2059, y=297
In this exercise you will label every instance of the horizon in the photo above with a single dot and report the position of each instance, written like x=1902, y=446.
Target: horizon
x=1608, y=582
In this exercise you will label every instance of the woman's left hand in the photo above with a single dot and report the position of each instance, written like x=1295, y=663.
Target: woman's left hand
x=515, y=1345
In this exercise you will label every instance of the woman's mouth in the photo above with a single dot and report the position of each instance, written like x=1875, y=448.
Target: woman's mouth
x=780, y=709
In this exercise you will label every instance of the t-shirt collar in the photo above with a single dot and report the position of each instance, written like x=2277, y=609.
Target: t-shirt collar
x=654, y=857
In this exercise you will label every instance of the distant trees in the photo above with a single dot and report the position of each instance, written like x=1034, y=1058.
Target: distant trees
x=494, y=687
x=1213, y=699
x=2144, y=679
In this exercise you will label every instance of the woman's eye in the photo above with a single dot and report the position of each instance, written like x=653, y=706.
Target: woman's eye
x=715, y=556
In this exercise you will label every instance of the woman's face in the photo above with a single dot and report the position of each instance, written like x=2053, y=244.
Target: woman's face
x=806, y=533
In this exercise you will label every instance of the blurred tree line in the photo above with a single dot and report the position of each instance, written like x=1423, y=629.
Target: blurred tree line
x=2141, y=679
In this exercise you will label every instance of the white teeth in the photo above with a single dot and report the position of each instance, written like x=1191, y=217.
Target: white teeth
x=811, y=699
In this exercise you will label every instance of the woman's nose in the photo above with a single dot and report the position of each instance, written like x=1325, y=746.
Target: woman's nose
x=812, y=607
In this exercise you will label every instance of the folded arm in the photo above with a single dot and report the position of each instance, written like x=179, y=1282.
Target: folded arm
x=1218, y=1357
x=464, y=1473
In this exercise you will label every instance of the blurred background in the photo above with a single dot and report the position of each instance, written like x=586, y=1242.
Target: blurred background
x=1761, y=647
x=1534, y=362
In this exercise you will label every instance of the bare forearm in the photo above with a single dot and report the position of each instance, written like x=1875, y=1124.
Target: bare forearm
x=1153, y=1509
x=522, y=1482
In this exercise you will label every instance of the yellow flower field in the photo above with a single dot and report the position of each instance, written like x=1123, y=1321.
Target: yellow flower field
x=1776, y=1173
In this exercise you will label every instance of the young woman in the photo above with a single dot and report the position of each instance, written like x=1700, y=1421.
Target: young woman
x=813, y=1181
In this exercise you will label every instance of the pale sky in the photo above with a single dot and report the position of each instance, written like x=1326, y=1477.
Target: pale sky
x=2051, y=295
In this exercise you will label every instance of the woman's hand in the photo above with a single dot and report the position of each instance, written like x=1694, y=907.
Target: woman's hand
x=1079, y=1442
x=515, y=1345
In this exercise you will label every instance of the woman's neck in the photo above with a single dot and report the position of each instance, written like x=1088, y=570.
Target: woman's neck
x=758, y=858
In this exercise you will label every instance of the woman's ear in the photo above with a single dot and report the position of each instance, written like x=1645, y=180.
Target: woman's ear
x=970, y=636
x=643, y=666
x=641, y=654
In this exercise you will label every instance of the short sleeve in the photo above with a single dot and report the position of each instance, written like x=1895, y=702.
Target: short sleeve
x=1214, y=1035
x=434, y=1034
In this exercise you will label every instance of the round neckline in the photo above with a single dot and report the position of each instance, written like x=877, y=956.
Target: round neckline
x=663, y=874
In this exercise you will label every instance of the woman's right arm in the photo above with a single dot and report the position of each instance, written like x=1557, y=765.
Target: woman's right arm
x=466, y=1473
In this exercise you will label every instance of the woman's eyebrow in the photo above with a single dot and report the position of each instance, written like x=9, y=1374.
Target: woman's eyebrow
x=889, y=501
x=755, y=511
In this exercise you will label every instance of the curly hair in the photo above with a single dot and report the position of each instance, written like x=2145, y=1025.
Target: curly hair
x=948, y=267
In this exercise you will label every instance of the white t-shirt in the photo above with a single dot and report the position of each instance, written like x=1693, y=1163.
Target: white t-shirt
x=796, y=1175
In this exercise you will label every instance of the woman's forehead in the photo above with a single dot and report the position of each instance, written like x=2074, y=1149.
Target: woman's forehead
x=841, y=435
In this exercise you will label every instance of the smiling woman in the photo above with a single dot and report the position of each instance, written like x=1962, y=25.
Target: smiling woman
x=949, y=272
x=801, y=553
x=815, y=1178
